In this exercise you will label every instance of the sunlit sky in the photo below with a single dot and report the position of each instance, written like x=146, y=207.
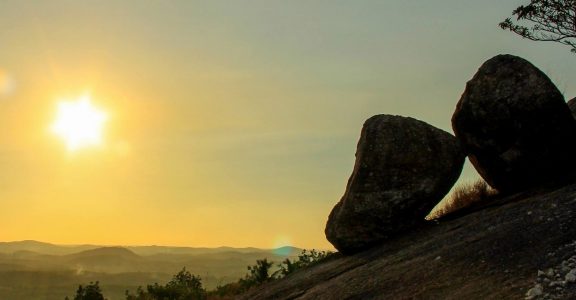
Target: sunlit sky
x=228, y=122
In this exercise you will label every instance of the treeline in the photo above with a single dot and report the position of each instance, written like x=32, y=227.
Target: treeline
x=186, y=286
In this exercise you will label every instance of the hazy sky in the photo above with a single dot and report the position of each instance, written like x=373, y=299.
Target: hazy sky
x=230, y=122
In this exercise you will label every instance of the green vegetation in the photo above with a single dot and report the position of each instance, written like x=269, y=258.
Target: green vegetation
x=183, y=286
x=260, y=273
x=305, y=259
x=550, y=20
x=257, y=275
x=27, y=272
x=91, y=292
x=464, y=195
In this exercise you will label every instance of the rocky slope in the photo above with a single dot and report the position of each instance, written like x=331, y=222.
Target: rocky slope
x=503, y=250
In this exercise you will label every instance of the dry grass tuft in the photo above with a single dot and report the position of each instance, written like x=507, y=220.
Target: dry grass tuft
x=464, y=195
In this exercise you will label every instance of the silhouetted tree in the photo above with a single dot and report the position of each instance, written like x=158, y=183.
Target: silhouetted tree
x=140, y=295
x=546, y=20
x=287, y=266
x=91, y=292
x=259, y=273
x=305, y=259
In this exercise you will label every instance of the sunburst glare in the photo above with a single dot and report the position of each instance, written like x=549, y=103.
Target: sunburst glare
x=79, y=123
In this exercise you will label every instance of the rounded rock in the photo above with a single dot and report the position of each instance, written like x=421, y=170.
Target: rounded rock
x=515, y=125
x=403, y=168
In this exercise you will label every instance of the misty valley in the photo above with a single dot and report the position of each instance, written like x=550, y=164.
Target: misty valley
x=36, y=270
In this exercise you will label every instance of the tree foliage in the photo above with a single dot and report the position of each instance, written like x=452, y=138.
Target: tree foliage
x=259, y=273
x=90, y=292
x=183, y=286
x=545, y=20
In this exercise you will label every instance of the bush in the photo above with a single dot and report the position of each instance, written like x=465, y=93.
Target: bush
x=463, y=196
x=183, y=286
x=259, y=273
x=90, y=292
x=227, y=291
x=305, y=259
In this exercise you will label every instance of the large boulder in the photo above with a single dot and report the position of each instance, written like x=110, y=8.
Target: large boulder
x=515, y=125
x=572, y=106
x=403, y=168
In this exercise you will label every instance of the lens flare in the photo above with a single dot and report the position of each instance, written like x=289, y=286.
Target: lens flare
x=282, y=246
x=6, y=83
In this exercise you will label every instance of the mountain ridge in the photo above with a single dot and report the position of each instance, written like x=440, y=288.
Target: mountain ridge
x=38, y=270
x=41, y=247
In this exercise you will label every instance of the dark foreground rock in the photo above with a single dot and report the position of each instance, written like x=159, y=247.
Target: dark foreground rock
x=403, y=168
x=515, y=125
x=493, y=253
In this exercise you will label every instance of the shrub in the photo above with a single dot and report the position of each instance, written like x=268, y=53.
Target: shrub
x=227, y=291
x=259, y=273
x=183, y=286
x=90, y=292
x=305, y=259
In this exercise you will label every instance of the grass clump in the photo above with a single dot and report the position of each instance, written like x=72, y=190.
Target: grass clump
x=464, y=195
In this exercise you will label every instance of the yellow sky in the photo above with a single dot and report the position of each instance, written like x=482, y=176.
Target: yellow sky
x=229, y=123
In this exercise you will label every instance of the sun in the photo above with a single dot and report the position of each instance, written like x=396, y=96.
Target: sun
x=79, y=123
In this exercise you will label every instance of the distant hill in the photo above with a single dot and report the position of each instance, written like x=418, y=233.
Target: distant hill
x=38, y=270
x=105, y=252
x=42, y=248
x=54, y=249
x=152, y=250
x=106, y=259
